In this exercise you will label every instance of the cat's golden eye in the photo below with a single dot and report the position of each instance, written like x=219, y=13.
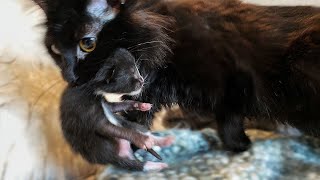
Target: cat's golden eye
x=88, y=44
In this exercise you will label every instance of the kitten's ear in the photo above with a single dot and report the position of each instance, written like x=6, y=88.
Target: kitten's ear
x=42, y=4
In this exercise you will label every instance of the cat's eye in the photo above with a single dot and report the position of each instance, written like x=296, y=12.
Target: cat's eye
x=88, y=44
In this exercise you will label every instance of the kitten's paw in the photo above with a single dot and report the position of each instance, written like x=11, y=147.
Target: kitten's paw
x=164, y=141
x=143, y=106
x=147, y=142
x=154, y=166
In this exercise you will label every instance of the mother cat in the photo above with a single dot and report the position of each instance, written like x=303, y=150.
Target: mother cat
x=224, y=57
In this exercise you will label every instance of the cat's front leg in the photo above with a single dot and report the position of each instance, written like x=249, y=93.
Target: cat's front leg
x=239, y=95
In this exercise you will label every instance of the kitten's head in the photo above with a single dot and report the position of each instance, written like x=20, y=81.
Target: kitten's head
x=119, y=74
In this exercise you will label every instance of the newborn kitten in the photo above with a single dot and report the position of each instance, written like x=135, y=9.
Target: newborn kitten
x=90, y=126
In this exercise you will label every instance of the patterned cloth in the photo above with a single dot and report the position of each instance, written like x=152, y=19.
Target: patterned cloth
x=198, y=155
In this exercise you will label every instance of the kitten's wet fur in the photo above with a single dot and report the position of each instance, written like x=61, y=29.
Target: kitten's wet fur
x=92, y=128
x=225, y=57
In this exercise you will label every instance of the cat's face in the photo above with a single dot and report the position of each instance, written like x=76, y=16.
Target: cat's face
x=82, y=34
x=73, y=29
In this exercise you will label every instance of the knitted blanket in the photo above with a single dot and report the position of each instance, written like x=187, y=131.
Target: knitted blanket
x=199, y=155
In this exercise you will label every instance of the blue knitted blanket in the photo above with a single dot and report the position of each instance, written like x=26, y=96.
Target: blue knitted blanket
x=198, y=155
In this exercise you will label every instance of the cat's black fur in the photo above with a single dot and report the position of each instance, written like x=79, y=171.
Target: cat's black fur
x=85, y=113
x=233, y=59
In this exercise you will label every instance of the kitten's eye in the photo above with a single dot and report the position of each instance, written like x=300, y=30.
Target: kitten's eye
x=88, y=44
x=110, y=75
x=55, y=50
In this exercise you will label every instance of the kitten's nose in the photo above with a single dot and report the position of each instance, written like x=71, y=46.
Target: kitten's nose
x=140, y=81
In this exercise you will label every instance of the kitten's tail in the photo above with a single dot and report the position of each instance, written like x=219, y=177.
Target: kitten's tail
x=128, y=164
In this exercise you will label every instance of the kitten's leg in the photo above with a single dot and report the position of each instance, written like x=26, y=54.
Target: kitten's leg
x=118, y=120
x=125, y=150
x=143, y=118
x=231, y=132
x=129, y=106
x=141, y=140
x=130, y=125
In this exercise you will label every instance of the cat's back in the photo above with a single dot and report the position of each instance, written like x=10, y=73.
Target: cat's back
x=225, y=34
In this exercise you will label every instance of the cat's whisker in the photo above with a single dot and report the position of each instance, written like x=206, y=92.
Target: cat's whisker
x=146, y=43
x=144, y=49
x=138, y=61
x=146, y=76
x=140, y=44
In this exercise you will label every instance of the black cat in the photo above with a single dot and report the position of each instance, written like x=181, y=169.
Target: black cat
x=225, y=57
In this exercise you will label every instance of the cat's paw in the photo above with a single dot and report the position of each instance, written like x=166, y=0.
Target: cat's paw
x=237, y=144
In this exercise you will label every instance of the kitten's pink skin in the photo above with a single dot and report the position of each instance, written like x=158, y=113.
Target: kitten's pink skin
x=154, y=166
x=164, y=141
x=125, y=150
x=144, y=106
x=158, y=141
